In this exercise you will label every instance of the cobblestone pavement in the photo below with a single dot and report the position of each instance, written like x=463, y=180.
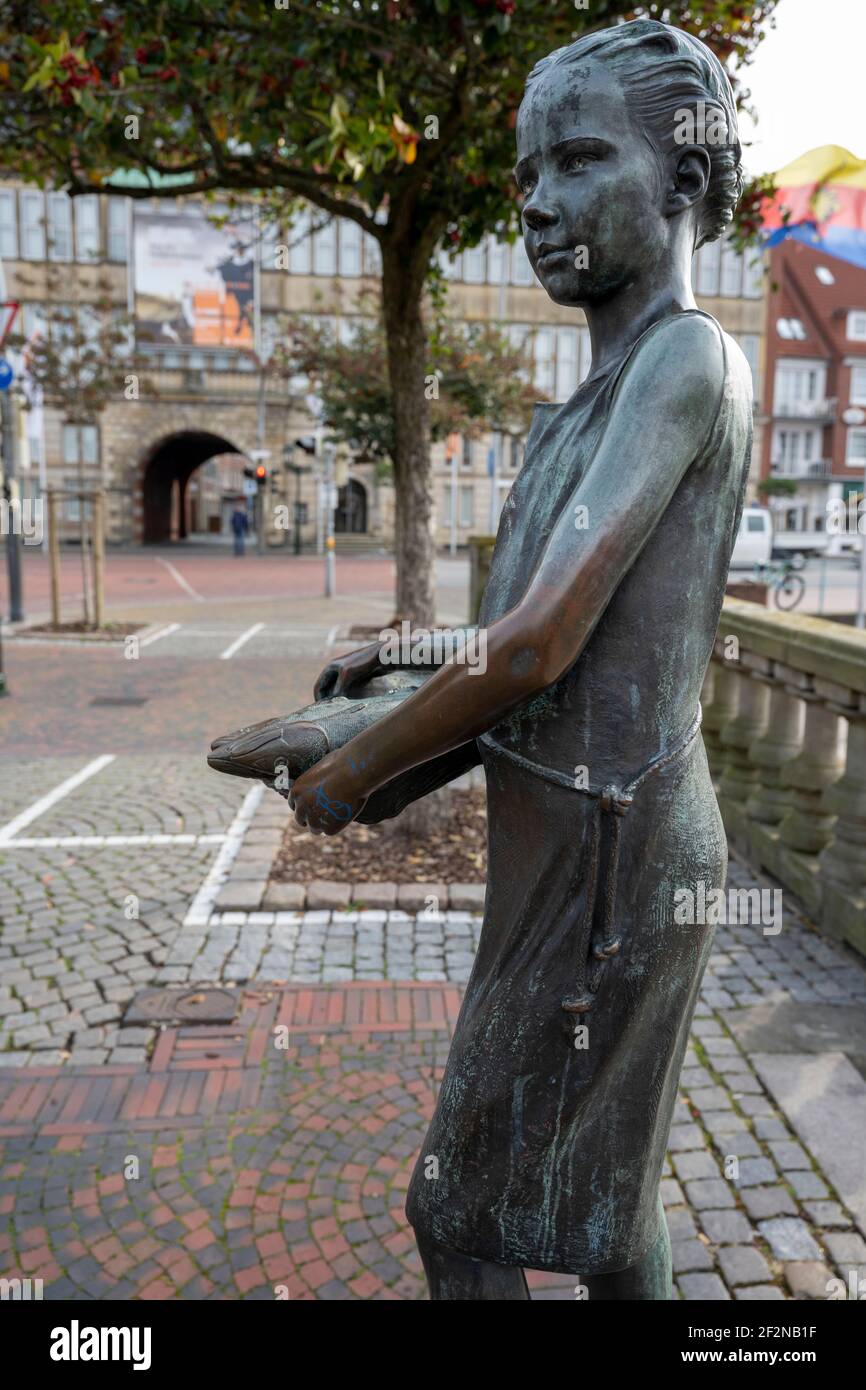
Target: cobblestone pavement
x=269, y=1159
x=267, y=1171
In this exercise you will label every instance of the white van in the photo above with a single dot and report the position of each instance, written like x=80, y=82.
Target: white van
x=754, y=543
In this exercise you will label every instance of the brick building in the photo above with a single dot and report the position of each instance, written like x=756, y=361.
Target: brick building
x=814, y=407
x=171, y=462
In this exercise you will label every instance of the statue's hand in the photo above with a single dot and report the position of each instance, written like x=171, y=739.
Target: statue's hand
x=329, y=797
x=345, y=672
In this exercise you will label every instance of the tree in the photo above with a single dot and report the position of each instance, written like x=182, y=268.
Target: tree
x=477, y=380
x=78, y=358
x=396, y=114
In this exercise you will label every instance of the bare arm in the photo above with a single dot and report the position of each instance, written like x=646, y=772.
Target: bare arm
x=667, y=401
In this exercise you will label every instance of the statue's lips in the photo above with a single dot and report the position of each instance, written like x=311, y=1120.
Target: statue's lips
x=550, y=258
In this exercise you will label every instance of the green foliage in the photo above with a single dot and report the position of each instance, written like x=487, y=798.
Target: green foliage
x=401, y=108
x=477, y=379
x=777, y=487
x=82, y=352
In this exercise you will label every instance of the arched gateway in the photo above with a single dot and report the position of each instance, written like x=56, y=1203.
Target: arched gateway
x=164, y=475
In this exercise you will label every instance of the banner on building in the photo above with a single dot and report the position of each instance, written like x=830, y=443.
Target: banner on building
x=193, y=282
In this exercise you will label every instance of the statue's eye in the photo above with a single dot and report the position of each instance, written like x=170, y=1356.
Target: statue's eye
x=526, y=184
x=575, y=163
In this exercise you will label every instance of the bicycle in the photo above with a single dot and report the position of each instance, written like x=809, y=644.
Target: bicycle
x=788, y=586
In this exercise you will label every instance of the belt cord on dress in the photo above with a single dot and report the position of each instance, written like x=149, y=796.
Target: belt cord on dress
x=612, y=804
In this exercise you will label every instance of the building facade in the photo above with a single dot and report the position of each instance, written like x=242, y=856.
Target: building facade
x=815, y=383
x=171, y=457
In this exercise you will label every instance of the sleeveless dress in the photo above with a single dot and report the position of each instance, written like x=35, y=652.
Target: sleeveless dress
x=555, y=1106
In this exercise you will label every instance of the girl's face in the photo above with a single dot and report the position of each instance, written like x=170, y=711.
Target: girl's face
x=591, y=184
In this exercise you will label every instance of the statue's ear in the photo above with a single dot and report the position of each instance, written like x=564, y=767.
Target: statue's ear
x=689, y=177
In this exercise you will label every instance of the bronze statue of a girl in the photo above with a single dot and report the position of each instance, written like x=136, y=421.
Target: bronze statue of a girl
x=599, y=617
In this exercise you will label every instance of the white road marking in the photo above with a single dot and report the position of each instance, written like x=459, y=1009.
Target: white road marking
x=163, y=632
x=95, y=841
x=239, y=641
x=51, y=798
x=176, y=575
x=202, y=904
x=332, y=635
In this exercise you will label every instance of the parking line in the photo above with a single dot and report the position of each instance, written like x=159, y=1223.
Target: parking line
x=163, y=632
x=202, y=904
x=176, y=575
x=51, y=798
x=239, y=641
x=101, y=841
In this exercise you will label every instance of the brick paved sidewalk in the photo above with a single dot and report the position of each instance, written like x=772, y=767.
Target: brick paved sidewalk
x=233, y=1167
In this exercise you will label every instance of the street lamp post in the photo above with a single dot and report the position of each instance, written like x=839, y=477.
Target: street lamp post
x=330, y=564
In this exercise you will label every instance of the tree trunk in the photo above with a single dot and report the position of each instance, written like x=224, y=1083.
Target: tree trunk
x=403, y=278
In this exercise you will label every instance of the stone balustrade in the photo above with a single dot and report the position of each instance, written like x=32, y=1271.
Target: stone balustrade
x=784, y=706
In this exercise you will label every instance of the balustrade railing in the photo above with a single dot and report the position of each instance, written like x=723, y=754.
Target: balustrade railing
x=785, y=730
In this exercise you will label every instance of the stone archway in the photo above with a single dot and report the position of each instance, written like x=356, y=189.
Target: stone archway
x=350, y=515
x=165, y=473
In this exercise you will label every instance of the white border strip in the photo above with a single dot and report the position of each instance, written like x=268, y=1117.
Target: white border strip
x=51, y=798
x=95, y=841
x=179, y=579
x=161, y=632
x=239, y=641
x=202, y=904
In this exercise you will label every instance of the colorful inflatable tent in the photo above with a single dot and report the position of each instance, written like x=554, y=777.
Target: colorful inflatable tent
x=821, y=199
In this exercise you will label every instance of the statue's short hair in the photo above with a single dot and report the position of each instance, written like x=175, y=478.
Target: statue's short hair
x=664, y=71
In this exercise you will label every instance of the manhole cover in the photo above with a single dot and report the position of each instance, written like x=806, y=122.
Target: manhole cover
x=183, y=1006
x=121, y=700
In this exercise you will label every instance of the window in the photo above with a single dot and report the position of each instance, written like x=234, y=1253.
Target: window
x=497, y=262
x=566, y=362
x=544, y=376
x=856, y=327
x=790, y=328
x=855, y=454
x=585, y=353
x=80, y=444
x=709, y=259
x=325, y=249
x=466, y=459
x=754, y=523
x=858, y=385
x=799, y=388
x=447, y=507
x=475, y=265
x=59, y=227
x=8, y=225
x=750, y=344
x=731, y=272
x=87, y=227
x=32, y=207
x=825, y=275
x=118, y=230
x=794, y=449
x=467, y=506
x=350, y=248
x=300, y=246
x=73, y=504
x=753, y=273
x=372, y=255
x=514, y=454
x=521, y=270
x=32, y=319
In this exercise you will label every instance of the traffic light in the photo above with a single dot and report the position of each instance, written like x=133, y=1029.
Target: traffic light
x=261, y=472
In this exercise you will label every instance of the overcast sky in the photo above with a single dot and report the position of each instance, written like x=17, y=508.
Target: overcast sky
x=808, y=83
